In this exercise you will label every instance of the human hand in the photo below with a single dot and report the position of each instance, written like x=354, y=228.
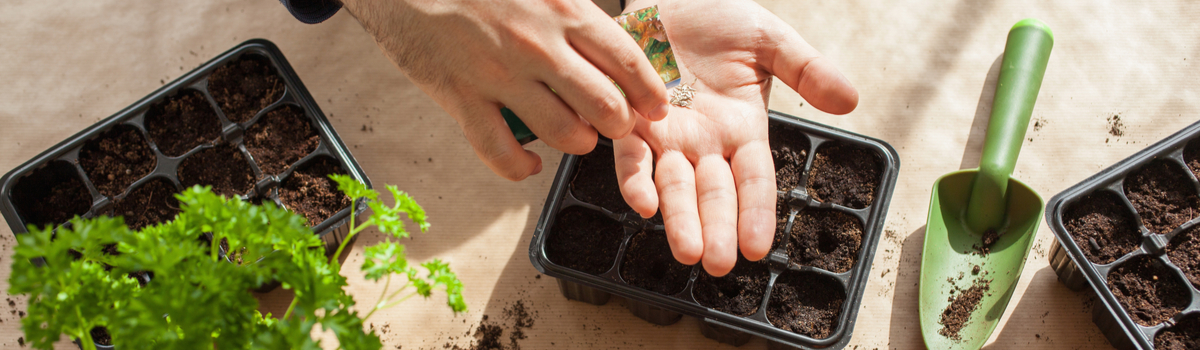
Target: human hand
x=474, y=57
x=715, y=177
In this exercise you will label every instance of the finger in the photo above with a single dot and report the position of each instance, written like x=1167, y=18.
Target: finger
x=754, y=174
x=485, y=129
x=786, y=55
x=590, y=94
x=676, y=182
x=614, y=52
x=716, y=197
x=635, y=169
x=550, y=119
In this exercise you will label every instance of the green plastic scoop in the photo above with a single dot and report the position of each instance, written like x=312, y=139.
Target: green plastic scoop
x=957, y=267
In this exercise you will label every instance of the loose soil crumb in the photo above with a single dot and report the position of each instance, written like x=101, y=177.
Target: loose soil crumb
x=181, y=123
x=806, y=303
x=310, y=192
x=1115, y=126
x=826, y=239
x=738, y=293
x=152, y=203
x=51, y=195
x=1148, y=290
x=845, y=175
x=1163, y=194
x=222, y=167
x=1185, y=335
x=584, y=240
x=489, y=335
x=1183, y=252
x=245, y=86
x=595, y=181
x=789, y=149
x=116, y=159
x=1103, y=227
x=963, y=302
x=281, y=138
x=649, y=265
x=985, y=243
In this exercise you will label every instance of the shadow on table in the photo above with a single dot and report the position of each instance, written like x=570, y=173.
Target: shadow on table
x=1050, y=316
x=905, y=332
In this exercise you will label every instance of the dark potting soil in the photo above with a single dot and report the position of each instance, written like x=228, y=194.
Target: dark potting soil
x=1185, y=335
x=244, y=87
x=789, y=149
x=152, y=203
x=782, y=210
x=648, y=264
x=1148, y=290
x=1191, y=156
x=826, y=239
x=181, y=123
x=310, y=192
x=222, y=167
x=1183, y=252
x=1164, y=196
x=116, y=159
x=806, y=303
x=1102, y=227
x=281, y=138
x=963, y=302
x=986, y=240
x=738, y=293
x=584, y=240
x=595, y=181
x=844, y=175
x=51, y=195
x=100, y=336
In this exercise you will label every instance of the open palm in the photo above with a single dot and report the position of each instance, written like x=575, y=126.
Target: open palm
x=715, y=179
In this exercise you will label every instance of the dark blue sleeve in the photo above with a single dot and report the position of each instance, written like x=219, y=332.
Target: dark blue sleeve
x=312, y=11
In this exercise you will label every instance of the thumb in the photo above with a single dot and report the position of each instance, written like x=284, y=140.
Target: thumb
x=786, y=55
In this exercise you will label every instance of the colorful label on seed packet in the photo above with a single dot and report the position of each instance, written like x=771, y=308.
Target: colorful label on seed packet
x=647, y=30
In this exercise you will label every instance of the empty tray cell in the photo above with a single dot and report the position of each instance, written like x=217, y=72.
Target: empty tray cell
x=51, y=195
x=595, y=181
x=244, y=87
x=649, y=265
x=584, y=240
x=738, y=293
x=180, y=123
x=806, y=303
x=1149, y=290
x=845, y=175
x=151, y=203
x=789, y=148
x=1102, y=226
x=1184, y=252
x=310, y=192
x=1184, y=335
x=1163, y=194
x=117, y=158
x=281, y=138
x=222, y=167
x=826, y=239
x=1191, y=156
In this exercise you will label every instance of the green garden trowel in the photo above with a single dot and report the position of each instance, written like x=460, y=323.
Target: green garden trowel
x=964, y=262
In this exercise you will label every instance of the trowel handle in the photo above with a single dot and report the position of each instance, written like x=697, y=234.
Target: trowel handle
x=1021, y=72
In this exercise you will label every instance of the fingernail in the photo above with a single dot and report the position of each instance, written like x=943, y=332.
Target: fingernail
x=537, y=170
x=659, y=112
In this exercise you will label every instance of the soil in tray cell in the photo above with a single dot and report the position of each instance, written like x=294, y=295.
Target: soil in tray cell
x=1148, y=289
x=1191, y=156
x=584, y=240
x=1185, y=335
x=595, y=181
x=181, y=123
x=845, y=175
x=739, y=292
x=51, y=195
x=648, y=264
x=1164, y=196
x=310, y=192
x=244, y=87
x=789, y=148
x=281, y=138
x=1184, y=252
x=781, y=217
x=222, y=167
x=1103, y=227
x=825, y=239
x=100, y=336
x=116, y=159
x=806, y=303
x=151, y=203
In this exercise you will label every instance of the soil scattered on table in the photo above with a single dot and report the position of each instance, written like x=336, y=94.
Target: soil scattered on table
x=1185, y=335
x=806, y=303
x=844, y=175
x=281, y=138
x=222, y=167
x=1183, y=253
x=244, y=87
x=116, y=159
x=963, y=303
x=595, y=181
x=310, y=192
x=1164, y=196
x=584, y=240
x=649, y=265
x=51, y=195
x=1102, y=227
x=789, y=149
x=738, y=292
x=1148, y=290
x=152, y=203
x=489, y=335
x=1115, y=127
x=181, y=123
x=826, y=239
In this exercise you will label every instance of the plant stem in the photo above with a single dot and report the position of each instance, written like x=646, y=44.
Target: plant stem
x=375, y=307
x=288, y=313
x=353, y=231
x=401, y=300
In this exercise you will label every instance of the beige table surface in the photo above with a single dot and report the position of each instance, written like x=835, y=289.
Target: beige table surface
x=922, y=68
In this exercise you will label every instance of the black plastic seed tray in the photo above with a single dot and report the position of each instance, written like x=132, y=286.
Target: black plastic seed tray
x=1130, y=226
x=591, y=217
x=61, y=173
